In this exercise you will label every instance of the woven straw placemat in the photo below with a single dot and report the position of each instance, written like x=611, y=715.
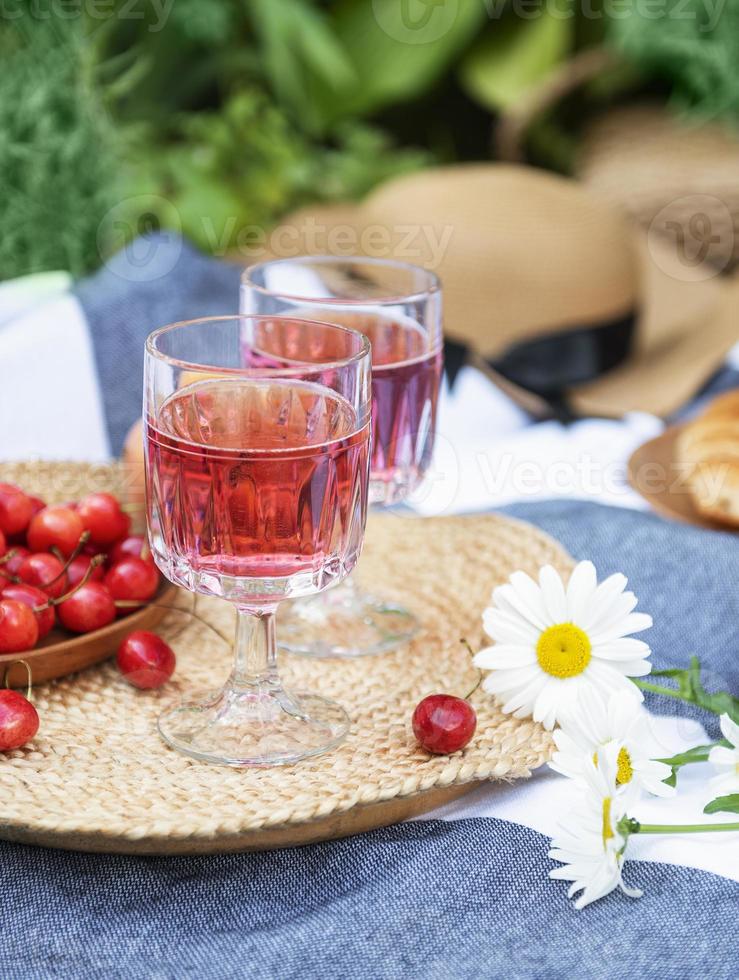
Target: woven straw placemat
x=98, y=777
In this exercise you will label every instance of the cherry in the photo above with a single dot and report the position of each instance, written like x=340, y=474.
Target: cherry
x=443, y=723
x=102, y=516
x=55, y=527
x=18, y=555
x=145, y=660
x=79, y=567
x=44, y=571
x=37, y=600
x=134, y=546
x=18, y=720
x=132, y=578
x=18, y=627
x=89, y=608
x=3, y=544
x=16, y=509
x=37, y=504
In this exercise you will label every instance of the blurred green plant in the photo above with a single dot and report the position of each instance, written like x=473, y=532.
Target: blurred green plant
x=232, y=112
x=693, y=46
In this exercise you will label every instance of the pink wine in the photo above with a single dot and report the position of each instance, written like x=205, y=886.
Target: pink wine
x=405, y=391
x=257, y=487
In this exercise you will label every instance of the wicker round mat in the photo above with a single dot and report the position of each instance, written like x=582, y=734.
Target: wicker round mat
x=98, y=777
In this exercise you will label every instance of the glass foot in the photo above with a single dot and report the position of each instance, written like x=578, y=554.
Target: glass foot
x=344, y=622
x=259, y=727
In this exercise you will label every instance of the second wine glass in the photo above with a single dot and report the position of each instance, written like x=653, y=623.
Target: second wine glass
x=398, y=306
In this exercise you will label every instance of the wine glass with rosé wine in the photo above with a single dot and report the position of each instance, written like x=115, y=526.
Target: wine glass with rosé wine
x=398, y=307
x=257, y=487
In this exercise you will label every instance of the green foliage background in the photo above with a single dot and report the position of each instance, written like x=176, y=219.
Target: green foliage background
x=221, y=114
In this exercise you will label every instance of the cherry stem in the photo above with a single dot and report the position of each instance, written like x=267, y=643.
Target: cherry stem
x=8, y=577
x=95, y=561
x=29, y=683
x=471, y=652
x=84, y=538
x=8, y=556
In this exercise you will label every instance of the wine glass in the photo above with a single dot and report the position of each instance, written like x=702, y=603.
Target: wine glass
x=257, y=441
x=398, y=307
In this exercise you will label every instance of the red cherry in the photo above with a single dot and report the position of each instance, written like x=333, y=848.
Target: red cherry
x=145, y=660
x=35, y=599
x=78, y=569
x=18, y=720
x=90, y=608
x=41, y=570
x=102, y=516
x=12, y=565
x=132, y=578
x=37, y=504
x=55, y=527
x=443, y=723
x=3, y=544
x=16, y=509
x=18, y=627
x=131, y=547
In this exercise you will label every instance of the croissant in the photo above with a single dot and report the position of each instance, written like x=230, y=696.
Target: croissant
x=708, y=452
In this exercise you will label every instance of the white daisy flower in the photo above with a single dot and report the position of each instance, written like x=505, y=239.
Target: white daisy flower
x=726, y=760
x=590, y=846
x=552, y=642
x=621, y=721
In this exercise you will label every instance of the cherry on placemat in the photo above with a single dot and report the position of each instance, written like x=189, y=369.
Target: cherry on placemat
x=145, y=660
x=443, y=723
x=19, y=720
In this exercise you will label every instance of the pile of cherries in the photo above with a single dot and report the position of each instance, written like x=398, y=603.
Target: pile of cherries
x=76, y=565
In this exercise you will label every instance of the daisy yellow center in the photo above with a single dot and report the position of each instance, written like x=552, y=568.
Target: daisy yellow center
x=607, y=829
x=624, y=770
x=563, y=650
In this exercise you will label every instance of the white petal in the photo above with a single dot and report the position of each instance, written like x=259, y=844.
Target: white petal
x=508, y=680
x=605, y=595
x=503, y=656
x=530, y=593
x=553, y=592
x=730, y=730
x=505, y=627
x=525, y=697
x=581, y=590
x=720, y=755
x=633, y=623
x=506, y=598
x=625, y=648
x=601, y=621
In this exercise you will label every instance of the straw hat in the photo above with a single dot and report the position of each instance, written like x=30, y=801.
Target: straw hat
x=554, y=290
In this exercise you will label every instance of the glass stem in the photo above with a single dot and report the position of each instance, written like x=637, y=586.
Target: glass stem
x=255, y=650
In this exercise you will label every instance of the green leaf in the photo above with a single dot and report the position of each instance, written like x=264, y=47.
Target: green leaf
x=397, y=48
x=723, y=804
x=514, y=55
x=699, y=753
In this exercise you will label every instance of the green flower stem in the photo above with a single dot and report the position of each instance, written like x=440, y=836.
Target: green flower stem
x=630, y=826
x=658, y=689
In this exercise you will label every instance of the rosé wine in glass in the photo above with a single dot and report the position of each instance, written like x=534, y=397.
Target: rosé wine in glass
x=397, y=306
x=257, y=480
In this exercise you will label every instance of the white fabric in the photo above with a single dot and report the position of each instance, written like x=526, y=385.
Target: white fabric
x=50, y=402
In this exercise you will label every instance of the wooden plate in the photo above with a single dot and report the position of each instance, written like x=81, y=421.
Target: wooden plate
x=60, y=653
x=655, y=473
